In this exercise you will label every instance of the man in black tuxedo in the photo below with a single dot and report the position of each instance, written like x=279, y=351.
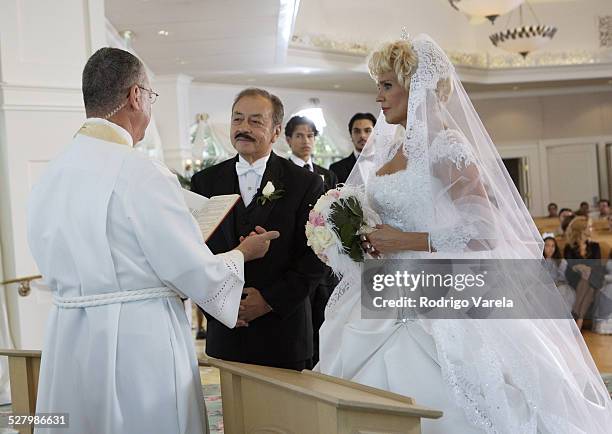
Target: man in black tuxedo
x=275, y=326
x=360, y=127
x=301, y=133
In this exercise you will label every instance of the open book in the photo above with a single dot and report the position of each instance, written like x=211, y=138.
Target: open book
x=209, y=213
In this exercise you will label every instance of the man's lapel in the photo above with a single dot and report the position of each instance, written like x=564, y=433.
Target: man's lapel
x=228, y=184
x=259, y=213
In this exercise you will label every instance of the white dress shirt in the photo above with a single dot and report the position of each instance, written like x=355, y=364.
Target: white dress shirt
x=249, y=182
x=301, y=162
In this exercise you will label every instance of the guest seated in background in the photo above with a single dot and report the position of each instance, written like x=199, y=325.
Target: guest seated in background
x=552, y=209
x=602, y=314
x=565, y=216
x=556, y=266
x=360, y=127
x=584, y=271
x=583, y=210
x=301, y=133
x=604, y=208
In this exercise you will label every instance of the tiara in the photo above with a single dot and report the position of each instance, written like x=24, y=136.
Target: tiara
x=405, y=35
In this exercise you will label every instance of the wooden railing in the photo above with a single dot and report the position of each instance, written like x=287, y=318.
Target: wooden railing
x=24, y=368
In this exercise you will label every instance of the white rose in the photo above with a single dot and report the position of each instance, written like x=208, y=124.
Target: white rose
x=321, y=239
x=309, y=232
x=268, y=189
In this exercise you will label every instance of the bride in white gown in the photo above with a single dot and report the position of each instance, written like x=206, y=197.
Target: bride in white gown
x=439, y=186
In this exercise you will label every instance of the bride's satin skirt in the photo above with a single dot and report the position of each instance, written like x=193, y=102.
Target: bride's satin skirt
x=394, y=356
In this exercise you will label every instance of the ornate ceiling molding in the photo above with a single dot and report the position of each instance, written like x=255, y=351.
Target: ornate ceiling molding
x=605, y=31
x=465, y=59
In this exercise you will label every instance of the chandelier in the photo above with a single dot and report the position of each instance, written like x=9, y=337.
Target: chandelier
x=524, y=39
x=490, y=9
x=207, y=149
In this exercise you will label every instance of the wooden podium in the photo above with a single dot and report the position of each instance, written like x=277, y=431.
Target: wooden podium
x=263, y=400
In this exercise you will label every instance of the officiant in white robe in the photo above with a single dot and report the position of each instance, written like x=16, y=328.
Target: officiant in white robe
x=113, y=238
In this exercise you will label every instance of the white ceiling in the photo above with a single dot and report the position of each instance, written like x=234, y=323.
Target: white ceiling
x=241, y=41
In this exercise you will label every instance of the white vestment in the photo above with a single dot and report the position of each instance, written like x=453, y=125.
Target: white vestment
x=103, y=219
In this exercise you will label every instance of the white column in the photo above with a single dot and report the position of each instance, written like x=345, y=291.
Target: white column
x=43, y=48
x=173, y=121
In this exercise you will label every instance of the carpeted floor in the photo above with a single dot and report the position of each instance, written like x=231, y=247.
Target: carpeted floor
x=212, y=396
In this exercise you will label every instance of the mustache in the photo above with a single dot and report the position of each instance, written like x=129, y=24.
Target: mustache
x=244, y=136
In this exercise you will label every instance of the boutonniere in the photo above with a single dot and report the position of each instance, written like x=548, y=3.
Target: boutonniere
x=269, y=193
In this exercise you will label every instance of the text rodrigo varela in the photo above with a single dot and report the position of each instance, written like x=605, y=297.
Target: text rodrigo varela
x=410, y=282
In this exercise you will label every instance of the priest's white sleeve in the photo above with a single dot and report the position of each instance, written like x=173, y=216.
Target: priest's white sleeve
x=173, y=245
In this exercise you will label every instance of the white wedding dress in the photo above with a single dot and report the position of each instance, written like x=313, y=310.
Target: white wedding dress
x=399, y=356
x=532, y=375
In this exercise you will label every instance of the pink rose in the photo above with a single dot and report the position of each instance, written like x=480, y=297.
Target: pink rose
x=316, y=219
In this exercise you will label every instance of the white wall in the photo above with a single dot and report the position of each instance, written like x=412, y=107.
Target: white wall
x=539, y=117
x=529, y=124
x=41, y=107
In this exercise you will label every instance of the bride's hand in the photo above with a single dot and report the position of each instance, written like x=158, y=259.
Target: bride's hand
x=368, y=247
x=386, y=239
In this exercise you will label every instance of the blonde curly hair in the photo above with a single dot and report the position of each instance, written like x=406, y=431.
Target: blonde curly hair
x=398, y=57
x=577, y=227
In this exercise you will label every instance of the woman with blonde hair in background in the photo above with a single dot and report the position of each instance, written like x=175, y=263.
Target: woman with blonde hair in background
x=584, y=272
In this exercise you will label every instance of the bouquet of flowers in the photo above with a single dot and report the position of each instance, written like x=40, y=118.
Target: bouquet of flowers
x=335, y=225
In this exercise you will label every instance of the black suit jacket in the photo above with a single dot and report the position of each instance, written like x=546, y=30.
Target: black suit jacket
x=343, y=168
x=285, y=276
x=330, y=180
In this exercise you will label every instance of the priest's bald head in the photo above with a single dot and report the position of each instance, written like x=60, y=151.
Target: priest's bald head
x=116, y=88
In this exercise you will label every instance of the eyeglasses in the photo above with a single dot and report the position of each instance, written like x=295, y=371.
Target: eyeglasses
x=152, y=95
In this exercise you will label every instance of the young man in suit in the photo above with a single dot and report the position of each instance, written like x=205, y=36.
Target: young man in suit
x=301, y=133
x=275, y=312
x=360, y=127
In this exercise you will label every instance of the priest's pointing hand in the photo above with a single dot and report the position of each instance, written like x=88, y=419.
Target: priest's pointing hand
x=256, y=245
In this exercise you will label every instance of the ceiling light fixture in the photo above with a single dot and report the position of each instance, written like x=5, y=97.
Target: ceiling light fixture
x=489, y=9
x=523, y=39
x=128, y=37
x=163, y=33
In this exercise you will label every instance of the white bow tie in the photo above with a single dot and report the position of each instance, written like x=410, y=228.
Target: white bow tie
x=243, y=167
